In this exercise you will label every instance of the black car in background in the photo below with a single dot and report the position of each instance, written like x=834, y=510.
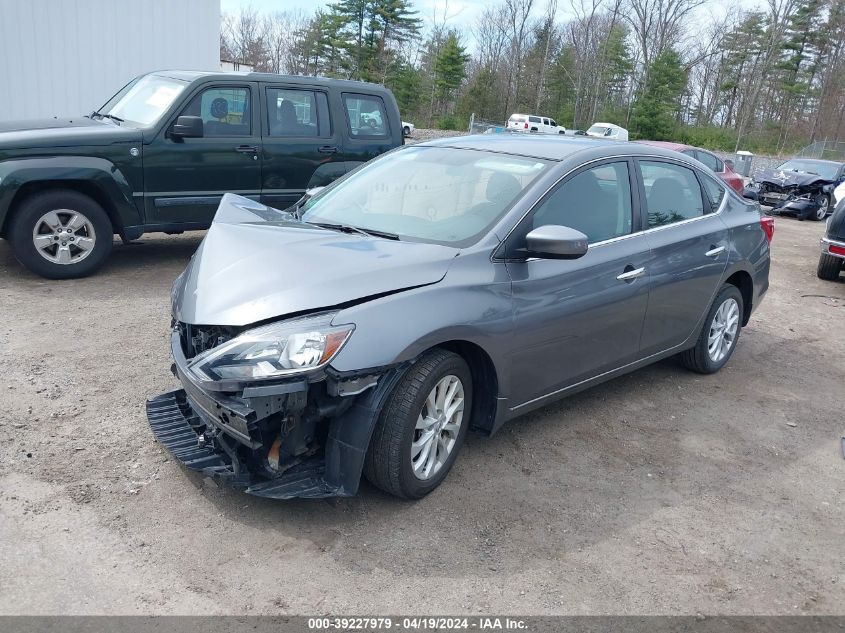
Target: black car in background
x=802, y=187
x=832, y=257
x=160, y=154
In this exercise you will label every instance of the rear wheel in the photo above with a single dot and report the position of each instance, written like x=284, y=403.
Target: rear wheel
x=829, y=267
x=719, y=335
x=422, y=426
x=406, y=131
x=60, y=234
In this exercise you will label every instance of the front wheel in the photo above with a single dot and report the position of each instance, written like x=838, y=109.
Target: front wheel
x=61, y=234
x=823, y=200
x=719, y=335
x=422, y=426
x=406, y=131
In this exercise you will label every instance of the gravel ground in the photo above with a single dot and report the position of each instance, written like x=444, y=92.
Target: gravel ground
x=662, y=492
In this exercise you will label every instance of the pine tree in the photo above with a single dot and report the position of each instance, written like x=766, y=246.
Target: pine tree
x=656, y=108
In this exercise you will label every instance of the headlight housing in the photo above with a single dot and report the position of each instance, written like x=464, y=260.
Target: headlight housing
x=273, y=351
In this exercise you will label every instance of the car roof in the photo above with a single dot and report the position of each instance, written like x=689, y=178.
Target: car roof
x=191, y=75
x=553, y=147
x=611, y=125
x=667, y=145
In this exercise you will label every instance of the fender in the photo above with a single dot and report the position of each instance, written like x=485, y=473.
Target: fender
x=99, y=172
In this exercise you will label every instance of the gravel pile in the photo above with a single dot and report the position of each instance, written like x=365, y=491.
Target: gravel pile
x=760, y=163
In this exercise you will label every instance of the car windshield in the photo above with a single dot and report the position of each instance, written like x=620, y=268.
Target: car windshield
x=143, y=101
x=431, y=194
x=825, y=170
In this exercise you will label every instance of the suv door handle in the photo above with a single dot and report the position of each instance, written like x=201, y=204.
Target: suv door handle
x=715, y=251
x=631, y=273
x=247, y=149
x=327, y=149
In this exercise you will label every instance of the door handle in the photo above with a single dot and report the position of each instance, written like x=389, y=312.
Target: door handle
x=327, y=149
x=247, y=149
x=631, y=274
x=715, y=251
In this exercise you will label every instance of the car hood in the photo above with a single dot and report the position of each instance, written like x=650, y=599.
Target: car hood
x=257, y=263
x=58, y=132
x=789, y=178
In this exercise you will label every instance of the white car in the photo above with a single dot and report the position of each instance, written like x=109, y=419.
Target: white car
x=608, y=130
x=407, y=128
x=838, y=193
x=534, y=123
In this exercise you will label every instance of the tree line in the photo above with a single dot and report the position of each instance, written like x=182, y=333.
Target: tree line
x=770, y=79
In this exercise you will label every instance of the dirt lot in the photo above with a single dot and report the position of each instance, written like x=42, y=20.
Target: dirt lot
x=660, y=492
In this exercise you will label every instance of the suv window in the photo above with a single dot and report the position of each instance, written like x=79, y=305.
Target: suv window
x=534, y=119
x=711, y=161
x=553, y=122
x=596, y=202
x=546, y=122
x=366, y=115
x=672, y=193
x=224, y=111
x=715, y=192
x=297, y=112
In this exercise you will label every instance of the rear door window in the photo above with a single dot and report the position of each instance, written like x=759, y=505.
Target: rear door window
x=711, y=161
x=672, y=193
x=365, y=115
x=297, y=113
x=534, y=119
x=715, y=192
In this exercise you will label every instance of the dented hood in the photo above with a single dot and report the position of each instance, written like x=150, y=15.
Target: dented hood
x=789, y=178
x=257, y=263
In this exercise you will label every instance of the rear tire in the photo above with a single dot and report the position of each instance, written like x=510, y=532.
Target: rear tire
x=406, y=421
x=60, y=234
x=406, y=131
x=829, y=267
x=709, y=354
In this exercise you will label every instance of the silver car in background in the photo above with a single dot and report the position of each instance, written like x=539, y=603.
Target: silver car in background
x=444, y=286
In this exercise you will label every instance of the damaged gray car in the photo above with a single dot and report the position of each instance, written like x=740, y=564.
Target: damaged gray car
x=443, y=287
x=802, y=187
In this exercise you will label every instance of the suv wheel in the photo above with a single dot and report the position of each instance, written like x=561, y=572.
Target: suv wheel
x=829, y=267
x=422, y=426
x=61, y=234
x=719, y=335
x=406, y=131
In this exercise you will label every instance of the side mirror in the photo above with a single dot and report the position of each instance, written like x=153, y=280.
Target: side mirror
x=553, y=241
x=188, y=127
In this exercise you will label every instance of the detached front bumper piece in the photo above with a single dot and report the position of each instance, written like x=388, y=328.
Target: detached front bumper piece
x=179, y=429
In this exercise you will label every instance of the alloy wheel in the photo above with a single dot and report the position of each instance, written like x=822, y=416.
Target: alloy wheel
x=824, y=203
x=64, y=236
x=723, y=330
x=438, y=426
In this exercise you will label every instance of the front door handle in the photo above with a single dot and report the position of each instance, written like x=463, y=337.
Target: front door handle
x=327, y=149
x=247, y=149
x=631, y=273
x=715, y=251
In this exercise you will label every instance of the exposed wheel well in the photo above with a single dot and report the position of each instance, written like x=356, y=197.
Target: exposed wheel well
x=82, y=186
x=484, y=379
x=742, y=280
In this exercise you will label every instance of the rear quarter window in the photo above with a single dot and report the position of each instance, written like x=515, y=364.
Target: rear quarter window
x=366, y=116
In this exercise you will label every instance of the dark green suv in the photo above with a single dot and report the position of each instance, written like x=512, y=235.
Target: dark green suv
x=162, y=152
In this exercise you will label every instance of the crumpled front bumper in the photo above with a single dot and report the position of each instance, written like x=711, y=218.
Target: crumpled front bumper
x=177, y=426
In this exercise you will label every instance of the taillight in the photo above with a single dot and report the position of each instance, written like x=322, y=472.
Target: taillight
x=768, y=224
x=836, y=250
x=526, y=126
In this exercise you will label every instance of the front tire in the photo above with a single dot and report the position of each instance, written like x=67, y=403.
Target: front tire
x=823, y=200
x=422, y=426
x=829, y=267
x=720, y=334
x=61, y=234
x=406, y=131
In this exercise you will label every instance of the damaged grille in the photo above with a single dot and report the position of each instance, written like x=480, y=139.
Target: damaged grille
x=197, y=339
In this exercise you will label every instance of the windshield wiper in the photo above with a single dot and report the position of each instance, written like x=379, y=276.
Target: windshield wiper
x=106, y=116
x=348, y=228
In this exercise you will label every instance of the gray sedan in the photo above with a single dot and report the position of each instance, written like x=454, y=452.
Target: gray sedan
x=444, y=286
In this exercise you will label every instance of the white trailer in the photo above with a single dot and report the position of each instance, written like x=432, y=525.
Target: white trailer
x=68, y=58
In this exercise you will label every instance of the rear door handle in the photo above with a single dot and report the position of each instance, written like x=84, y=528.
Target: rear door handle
x=631, y=273
x=715, y=251
x=327, y=149
x=247, y=149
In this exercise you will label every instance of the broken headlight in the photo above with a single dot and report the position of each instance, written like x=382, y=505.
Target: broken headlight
x=273, y=351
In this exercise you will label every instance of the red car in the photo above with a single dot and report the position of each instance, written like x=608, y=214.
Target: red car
x=722, y=169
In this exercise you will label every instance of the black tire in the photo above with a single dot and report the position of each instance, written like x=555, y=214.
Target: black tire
x=697, y=358
x=388, y=462
x=817, y=215
x=829, y=267
x=406, y=131
x=29, y=212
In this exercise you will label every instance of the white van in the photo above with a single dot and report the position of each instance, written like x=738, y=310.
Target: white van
x=608, y=130
x=534, y=123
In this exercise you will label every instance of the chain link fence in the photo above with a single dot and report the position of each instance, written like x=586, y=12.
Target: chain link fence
x=829, y=150
x=479, y=126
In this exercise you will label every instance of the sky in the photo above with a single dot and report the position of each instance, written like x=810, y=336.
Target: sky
x=463, y=14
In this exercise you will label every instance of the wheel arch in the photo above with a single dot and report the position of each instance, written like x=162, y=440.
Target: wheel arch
x=745, y=284
x=485, y=381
